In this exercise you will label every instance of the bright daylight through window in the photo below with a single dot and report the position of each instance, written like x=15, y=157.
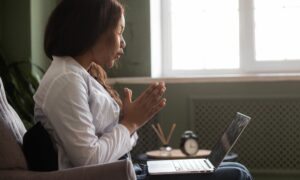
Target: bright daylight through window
x=203, y=33
x=277, y=31
x=229, y=36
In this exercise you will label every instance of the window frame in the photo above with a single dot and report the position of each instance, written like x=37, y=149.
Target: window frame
x=248, y=64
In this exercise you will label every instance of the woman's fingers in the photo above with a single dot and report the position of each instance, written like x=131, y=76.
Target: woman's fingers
x=149, y=90
x=156, y=97
x=155, y=109
x=154, y=94
x=152, y=88
x=161, y=93
x=127, y=95
x=150, y=101
x=130, y=95
x=140, y=111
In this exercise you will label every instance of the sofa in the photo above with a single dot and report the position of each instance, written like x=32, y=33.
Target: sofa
x=13, y=165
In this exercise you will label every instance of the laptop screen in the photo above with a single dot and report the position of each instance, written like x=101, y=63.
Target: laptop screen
x=228, y=139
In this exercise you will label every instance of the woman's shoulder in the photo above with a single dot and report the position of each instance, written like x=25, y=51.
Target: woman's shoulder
x=66, y=69
x=63, y=72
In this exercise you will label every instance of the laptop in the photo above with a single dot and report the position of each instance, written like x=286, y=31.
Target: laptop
x=203, y=165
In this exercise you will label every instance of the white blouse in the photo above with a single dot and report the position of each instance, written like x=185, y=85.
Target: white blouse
x=80, y=116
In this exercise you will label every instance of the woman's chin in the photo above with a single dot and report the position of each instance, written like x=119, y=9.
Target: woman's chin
x=111, y=64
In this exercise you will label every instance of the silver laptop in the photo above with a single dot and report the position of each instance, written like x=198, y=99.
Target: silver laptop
x=201, y=165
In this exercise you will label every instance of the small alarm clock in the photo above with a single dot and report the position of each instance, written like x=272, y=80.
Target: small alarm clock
x=189, y=143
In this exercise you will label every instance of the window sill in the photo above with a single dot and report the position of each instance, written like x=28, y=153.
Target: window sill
x=210, y=79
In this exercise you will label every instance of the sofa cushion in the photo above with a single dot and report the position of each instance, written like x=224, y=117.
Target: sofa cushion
x=10, y=117
x=11, y=135
x=11, y=154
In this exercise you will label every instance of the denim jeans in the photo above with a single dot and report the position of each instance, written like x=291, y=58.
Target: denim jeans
x=226, y=171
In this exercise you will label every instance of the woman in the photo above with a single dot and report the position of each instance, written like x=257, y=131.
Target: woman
x=85, y=117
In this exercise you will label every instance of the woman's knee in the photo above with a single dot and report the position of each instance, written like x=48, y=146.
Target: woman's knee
x=233, y=173
x=233, y=164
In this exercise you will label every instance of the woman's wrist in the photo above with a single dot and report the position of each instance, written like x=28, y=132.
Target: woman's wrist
x=130, y=126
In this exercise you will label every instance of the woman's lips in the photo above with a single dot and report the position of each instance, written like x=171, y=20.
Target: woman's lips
x=119, y=55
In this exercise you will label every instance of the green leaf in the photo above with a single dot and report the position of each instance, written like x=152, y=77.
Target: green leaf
x=20, y=84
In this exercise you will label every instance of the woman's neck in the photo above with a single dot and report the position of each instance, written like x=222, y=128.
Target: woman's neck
x=84, y=60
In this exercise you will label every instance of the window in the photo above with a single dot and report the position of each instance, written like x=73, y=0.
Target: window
x=200, y=37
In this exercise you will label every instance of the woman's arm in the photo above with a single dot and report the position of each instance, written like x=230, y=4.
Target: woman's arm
x=66, y=106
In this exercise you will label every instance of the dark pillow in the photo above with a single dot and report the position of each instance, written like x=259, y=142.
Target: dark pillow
x=39, y=150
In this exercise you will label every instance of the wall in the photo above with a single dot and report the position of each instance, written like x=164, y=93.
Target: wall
x=24, y=22
x=40, y=11
x=1, y=21
x=15, y=23
x=22, y=26
x=136, y=61
x=137, y=58
x=178, y=110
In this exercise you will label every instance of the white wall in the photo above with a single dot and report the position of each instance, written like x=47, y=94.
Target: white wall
x=39, y=13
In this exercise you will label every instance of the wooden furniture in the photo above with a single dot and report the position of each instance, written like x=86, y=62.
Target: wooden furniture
x=176, y=154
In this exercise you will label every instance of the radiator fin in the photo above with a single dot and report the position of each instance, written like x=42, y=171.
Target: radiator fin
x=271, y=141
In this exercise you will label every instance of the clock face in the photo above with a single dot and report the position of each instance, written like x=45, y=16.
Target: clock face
x=191, y=146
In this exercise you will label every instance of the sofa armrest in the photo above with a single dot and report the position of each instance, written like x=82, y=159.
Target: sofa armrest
x=116, y=170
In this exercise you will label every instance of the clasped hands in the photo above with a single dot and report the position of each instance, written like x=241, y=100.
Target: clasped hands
x=138, y=112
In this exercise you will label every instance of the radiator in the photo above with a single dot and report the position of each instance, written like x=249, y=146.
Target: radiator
x=271, y=142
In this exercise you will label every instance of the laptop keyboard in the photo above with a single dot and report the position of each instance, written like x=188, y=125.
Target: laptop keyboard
x=191, y=165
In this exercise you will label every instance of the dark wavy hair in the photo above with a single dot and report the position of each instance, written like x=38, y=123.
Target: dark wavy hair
x=75, y=25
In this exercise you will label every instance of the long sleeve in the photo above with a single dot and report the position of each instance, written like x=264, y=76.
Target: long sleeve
x=67, y=108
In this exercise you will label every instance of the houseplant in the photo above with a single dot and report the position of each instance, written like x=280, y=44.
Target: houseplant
x=21, y=80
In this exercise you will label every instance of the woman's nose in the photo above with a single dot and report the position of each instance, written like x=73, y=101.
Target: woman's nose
x=123, y=43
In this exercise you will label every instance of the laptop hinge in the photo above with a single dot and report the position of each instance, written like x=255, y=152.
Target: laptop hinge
x=208, y=163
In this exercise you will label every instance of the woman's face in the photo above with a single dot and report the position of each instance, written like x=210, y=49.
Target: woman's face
x=109, y=47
